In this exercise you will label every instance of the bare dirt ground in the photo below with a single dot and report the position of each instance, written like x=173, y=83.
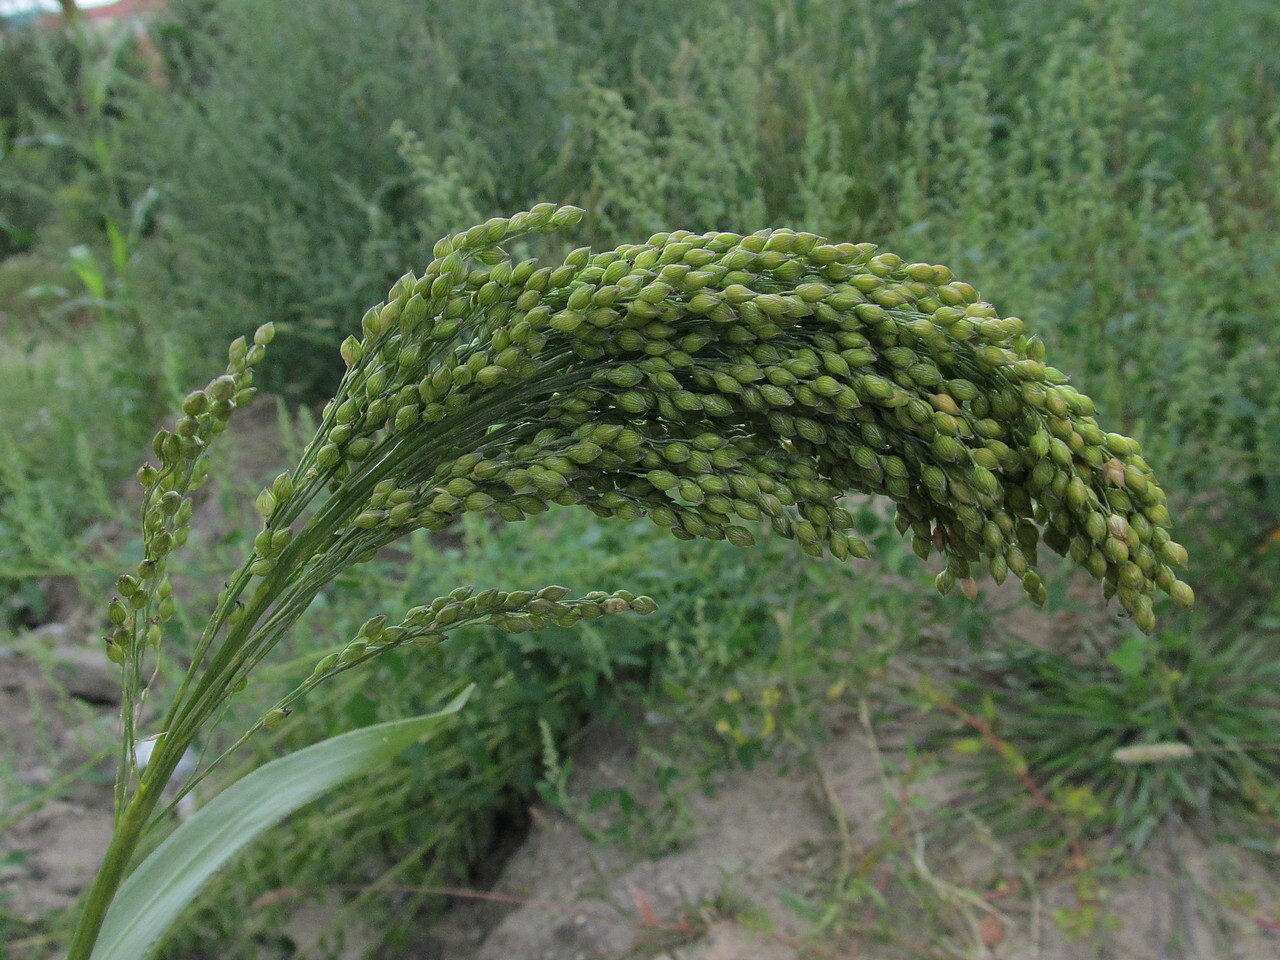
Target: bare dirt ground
x=766, y=836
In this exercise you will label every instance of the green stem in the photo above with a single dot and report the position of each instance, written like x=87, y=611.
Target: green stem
x=125, y=838
x=124, y=843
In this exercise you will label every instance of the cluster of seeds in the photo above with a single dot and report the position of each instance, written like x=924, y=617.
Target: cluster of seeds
x=714, y=381
x=144, y=599
x=519, y=611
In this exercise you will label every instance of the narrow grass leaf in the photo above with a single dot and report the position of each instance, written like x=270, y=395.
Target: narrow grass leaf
x=166, y=882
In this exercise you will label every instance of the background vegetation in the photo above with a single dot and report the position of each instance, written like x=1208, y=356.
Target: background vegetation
x=1108, y=171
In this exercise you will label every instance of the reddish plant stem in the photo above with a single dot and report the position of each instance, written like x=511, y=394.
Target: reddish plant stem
x=1015, y=763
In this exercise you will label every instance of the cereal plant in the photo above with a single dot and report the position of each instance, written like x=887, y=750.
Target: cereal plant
x=714, y=383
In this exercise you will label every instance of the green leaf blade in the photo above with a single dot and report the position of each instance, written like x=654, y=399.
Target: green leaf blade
x=164, y=884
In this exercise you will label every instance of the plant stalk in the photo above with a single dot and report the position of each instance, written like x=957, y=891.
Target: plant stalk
x=124, y=843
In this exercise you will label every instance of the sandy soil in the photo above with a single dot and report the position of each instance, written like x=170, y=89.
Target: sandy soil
x=772, y=832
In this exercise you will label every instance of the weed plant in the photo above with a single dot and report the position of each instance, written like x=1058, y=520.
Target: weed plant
x=27, y=179
x=748, y=665
x=480, y=771
x=1149, y=285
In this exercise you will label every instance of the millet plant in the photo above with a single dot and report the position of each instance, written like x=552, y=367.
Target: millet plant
x=714, y=383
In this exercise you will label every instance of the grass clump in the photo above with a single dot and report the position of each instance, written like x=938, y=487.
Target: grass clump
x=1159, y=729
